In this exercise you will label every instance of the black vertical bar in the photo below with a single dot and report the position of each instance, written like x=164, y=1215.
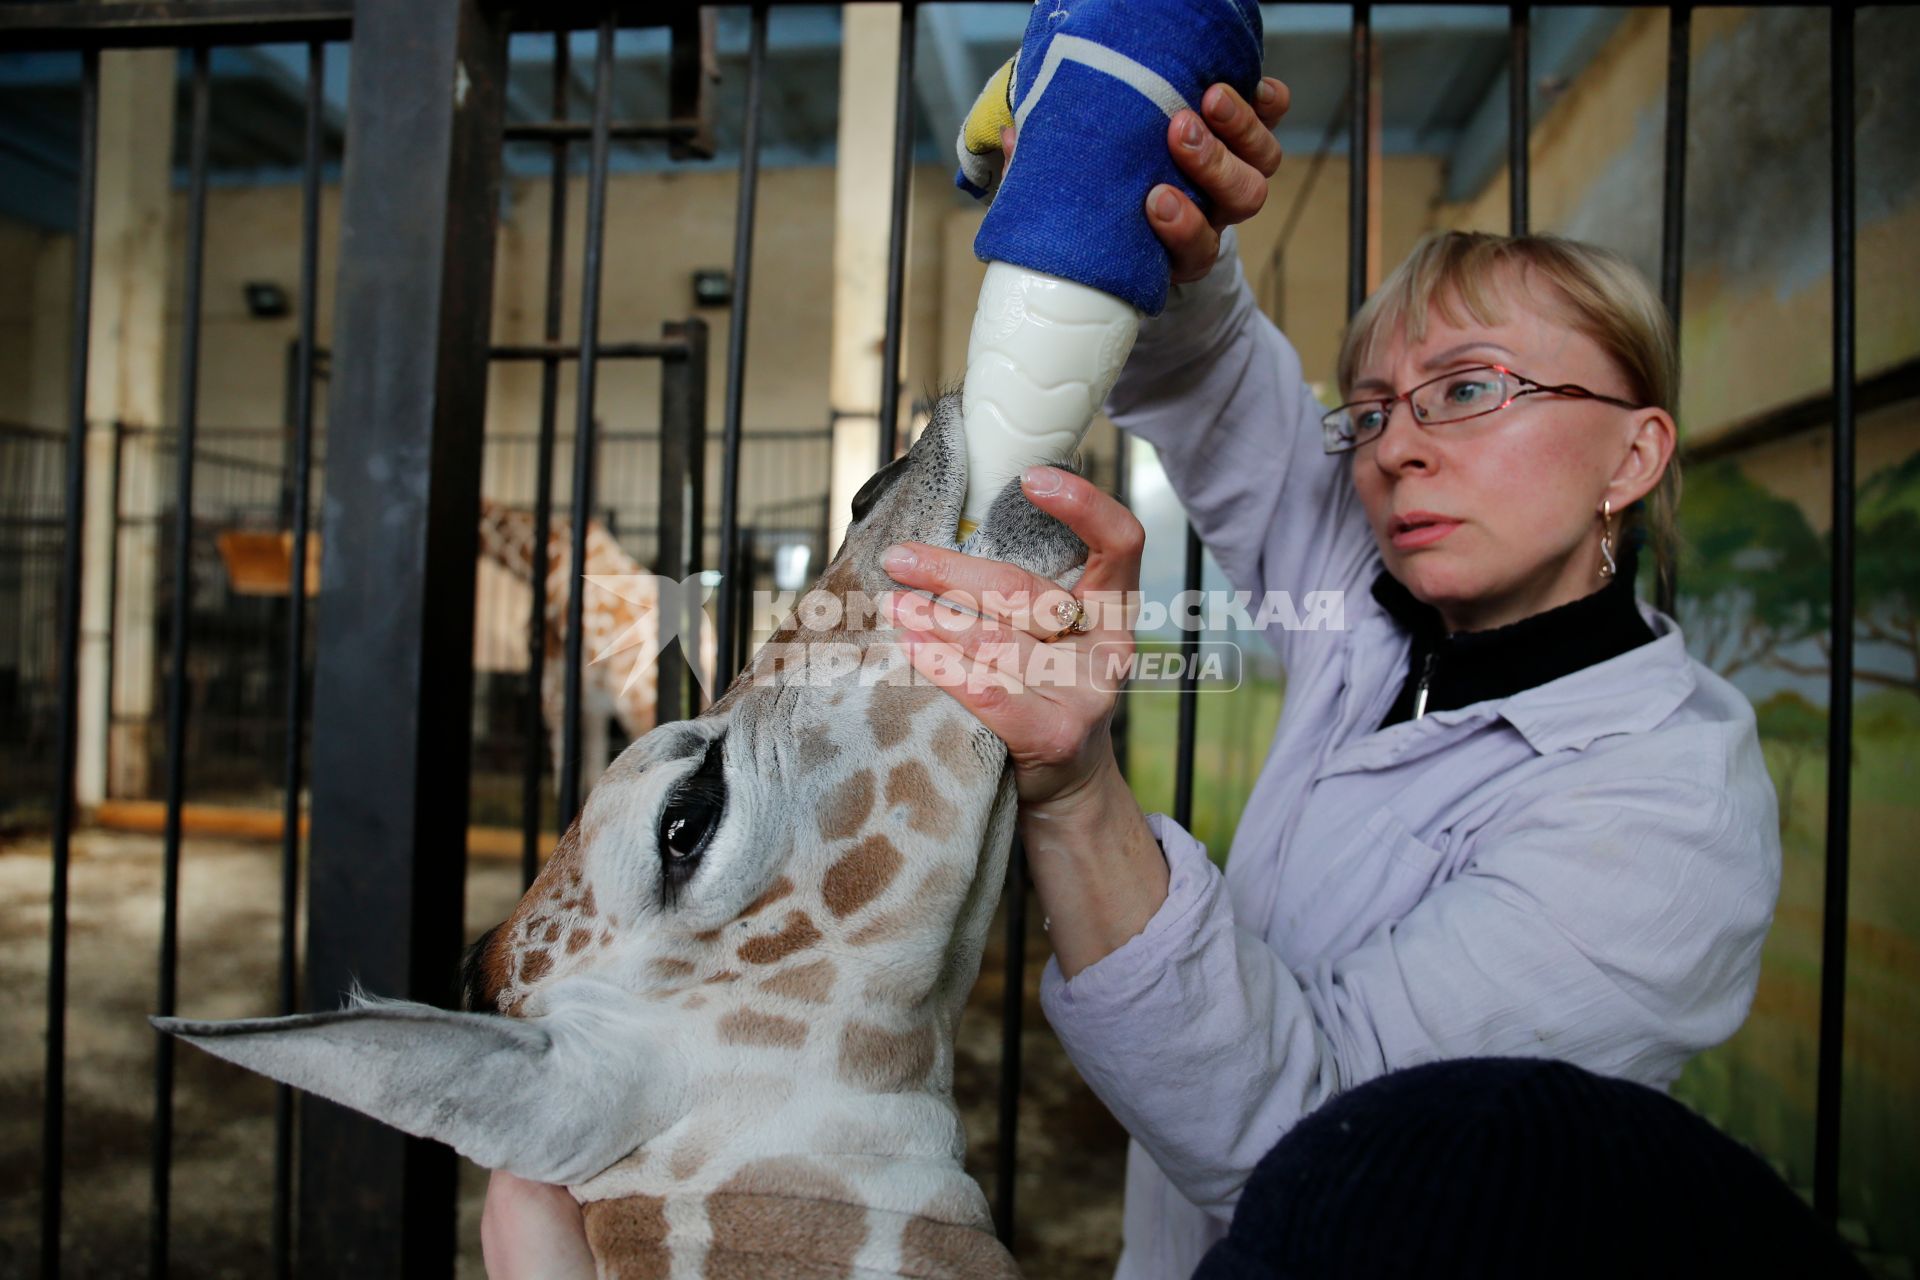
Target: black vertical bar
x=1357, y=146
x=283, y=1118
x=537, y=567
x=1189, y=688
x=728, y=654
x=683, y=450
x=53, y=1116
x=1673, y=214
x=568, y=801
x=186, y=430
x=1519, y=117
x=393, y=669
x=1012, y=1018
x=1833, y=935
x=897, y=239
x=1123, y=490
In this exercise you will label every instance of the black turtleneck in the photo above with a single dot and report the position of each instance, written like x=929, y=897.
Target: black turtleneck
x=1471, y=666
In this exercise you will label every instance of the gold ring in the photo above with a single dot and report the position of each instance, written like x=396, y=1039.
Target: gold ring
x=1071, y=614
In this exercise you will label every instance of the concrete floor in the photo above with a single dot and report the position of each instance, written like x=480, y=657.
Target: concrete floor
x=1071, y=1150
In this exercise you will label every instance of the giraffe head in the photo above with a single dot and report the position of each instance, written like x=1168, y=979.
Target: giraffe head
x=755, y=941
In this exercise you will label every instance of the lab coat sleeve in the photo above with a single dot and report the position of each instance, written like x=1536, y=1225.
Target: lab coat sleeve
x=1615, y=924
x=1218, y=391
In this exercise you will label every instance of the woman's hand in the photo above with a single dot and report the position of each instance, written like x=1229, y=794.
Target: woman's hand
x=1227, y=150
x=1049, y=699
x=533, y=1231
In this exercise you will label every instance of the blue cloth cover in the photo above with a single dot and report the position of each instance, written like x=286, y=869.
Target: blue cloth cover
x=1091, y=144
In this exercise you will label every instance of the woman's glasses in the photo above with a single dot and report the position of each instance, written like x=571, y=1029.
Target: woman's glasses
x=1451, y=397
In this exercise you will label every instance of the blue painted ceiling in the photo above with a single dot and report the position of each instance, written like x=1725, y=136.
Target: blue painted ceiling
x=1443, y=87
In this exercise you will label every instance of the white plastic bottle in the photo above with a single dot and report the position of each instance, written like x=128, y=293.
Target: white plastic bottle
x=1041, y=358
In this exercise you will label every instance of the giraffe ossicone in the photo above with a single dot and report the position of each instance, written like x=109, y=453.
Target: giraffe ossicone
x=724, y=1013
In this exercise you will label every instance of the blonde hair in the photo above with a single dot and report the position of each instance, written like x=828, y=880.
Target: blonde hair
x=1604, y=297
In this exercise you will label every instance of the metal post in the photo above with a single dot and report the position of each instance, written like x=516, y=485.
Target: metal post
x=1673, y=221
x=1361, y=72
x=393, y=670
x=897, y=239
x=1519, y=117
x=537, y=566
x=568, y=801
x=728, y=652
x=1013, y=1010
x=283, y=1107
x=1123, y=490
x=1833, y=933
x=1189, y=688
x=53, y=1116
x=683, y=451
x=185, y=432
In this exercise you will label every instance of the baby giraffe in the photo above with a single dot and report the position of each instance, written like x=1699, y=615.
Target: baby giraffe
x=724, y=1014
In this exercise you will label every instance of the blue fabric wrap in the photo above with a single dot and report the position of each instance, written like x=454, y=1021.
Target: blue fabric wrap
x=1074, y=202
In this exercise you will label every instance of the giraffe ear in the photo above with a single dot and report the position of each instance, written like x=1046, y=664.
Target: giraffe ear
x=555, y=1099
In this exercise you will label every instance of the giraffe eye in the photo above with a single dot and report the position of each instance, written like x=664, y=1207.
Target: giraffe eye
x=877, y=483
x=687, y=824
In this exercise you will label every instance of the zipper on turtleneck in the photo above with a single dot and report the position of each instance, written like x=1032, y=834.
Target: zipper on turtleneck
x=1426, y=685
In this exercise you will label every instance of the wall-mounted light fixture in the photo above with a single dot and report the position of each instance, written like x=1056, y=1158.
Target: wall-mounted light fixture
x=266, y=300
x=712, y=288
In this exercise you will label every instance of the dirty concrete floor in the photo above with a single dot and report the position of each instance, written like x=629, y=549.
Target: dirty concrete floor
x=1071, y=1151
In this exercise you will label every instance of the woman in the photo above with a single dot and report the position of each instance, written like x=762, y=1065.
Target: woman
x=1504, y=813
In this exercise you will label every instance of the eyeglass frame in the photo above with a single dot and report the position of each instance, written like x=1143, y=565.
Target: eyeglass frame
x=1386, y=403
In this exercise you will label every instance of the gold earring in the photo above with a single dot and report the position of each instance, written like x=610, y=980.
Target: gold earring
x=1607, y=566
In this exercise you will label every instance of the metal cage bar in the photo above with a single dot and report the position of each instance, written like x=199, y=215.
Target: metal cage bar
x=1360, y=75
x=1833, y=933
x=1013, y=1012
x=53, y=1116
x=1519, y=116
x=160, y=1222
x=897, y=238
x=567, y=803
x=537, y=560
x=683, y=452
x=1673, y=212
x=729, y=654
x=283, y=1100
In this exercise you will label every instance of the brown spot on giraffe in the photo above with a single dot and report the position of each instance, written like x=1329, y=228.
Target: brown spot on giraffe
x=891, y=710
x=689, y=1158
x=845, y=809
x=816, y=748
x=860, y=875
x=762, y=1030
x=534, y=965
x=928, y=812
x=779, y=889
x=883, y=1061
x=671, y=967
x=496, y=961
x=931, y=1248
x=796, y=935
x=578, y=939
x=632, y=1229
x=709, y=935
x=787, y=1214
x=724, y=975
x=881, y=929
x=809, y=983
x=693, y=1001
x=953, y=748
x=553, y=932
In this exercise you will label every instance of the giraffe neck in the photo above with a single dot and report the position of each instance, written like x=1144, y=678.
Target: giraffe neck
x=793, y=1218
